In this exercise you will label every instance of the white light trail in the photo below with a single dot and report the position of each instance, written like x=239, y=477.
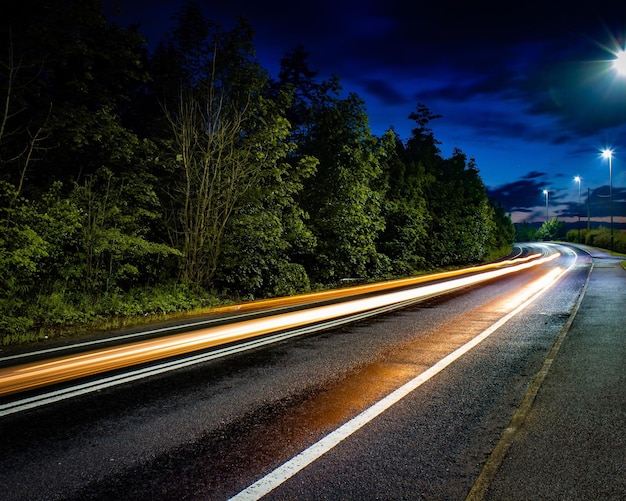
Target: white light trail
x=37, y=374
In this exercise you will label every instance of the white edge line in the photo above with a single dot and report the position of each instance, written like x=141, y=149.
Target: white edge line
x=276, y=477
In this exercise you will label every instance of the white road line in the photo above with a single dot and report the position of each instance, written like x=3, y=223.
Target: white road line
x=287, y=470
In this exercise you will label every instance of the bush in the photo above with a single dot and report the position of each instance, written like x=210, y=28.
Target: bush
x=62, y=312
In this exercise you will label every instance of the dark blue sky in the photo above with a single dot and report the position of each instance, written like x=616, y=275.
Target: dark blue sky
x=526, y=89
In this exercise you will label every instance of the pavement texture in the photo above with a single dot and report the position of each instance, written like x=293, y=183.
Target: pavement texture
x=568, y=439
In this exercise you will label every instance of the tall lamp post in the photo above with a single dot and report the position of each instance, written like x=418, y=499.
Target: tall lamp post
x=588, y=209
x=619, y=65
x=547, y=194
x=608, y=153
x=577, y=179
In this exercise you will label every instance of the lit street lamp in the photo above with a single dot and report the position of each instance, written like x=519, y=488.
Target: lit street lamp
x=608, y=153
x=547, y=194
x=577, y=179
x=619, y=63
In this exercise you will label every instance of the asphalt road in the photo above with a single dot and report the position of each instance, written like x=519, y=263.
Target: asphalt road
x=210, y=431
x=571, y=442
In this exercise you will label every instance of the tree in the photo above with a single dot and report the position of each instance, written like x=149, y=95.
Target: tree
x=525, y=232
x=551, y=230
x=404, y=239
x=461, y=221
x=20, y=139
x=76, y=75
x=115, y=252
x=342, y=198
x=298, y=80
x=227, y=140
x=462, y=209
x=505, y=230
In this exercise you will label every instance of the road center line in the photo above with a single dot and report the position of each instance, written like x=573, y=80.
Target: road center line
x=287, y=470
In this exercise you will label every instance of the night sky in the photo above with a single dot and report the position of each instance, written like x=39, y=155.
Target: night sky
x=526, y=89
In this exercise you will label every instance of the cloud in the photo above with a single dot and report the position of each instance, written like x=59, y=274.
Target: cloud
x=385, y=92
x=522, y=195
x=517, y=85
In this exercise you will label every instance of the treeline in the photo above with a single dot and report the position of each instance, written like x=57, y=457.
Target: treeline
x=134, y=182
x=558, y=230
x=599, y=237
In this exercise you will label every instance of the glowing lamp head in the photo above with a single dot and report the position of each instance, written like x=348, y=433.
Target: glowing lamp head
x=619, y=63
x=607, y=153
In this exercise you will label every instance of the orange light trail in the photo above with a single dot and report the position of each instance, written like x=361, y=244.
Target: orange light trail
x=368, y=288
x=38, y=374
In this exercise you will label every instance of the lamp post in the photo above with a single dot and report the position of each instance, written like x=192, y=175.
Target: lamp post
x=588, y=209
x=608, y=153
x=619, y=65
x=547, y=194
x=577, y=179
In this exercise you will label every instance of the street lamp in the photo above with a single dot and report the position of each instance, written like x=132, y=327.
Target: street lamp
x=577, y=179
x=608, y=153
x=547, y=194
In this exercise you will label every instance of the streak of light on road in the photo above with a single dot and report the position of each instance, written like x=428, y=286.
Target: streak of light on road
x=38, y=374
x=287, y=470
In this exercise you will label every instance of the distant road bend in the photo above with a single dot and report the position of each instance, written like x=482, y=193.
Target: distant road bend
x=33, y=379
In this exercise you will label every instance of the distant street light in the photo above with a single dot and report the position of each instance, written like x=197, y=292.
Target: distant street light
x=547, y=194
x=608, y=153
x=577, y=179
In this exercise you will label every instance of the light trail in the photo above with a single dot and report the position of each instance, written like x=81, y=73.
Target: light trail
x=61, y=369
x=250, y=308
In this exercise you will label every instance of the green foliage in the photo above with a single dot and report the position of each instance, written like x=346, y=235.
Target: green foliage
x=462, y=225
x=343, y=198
x=504, y=234
x=404, y=239
x=551, y=230
x=24, y=253
x=113, y=252
x=266, y=233
x=525, y=232
x=63, y=312
x=573, y=235
x=600, y=237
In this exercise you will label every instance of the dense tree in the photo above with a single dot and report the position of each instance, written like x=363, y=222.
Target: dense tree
x=73, y=75
x=298, y=79
x=551, y=230
x=504, y=235
x=461, y=221
x=229, y=140
x=525, y=232
x=405, y=238
x=342, y=199
x=66, y=82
